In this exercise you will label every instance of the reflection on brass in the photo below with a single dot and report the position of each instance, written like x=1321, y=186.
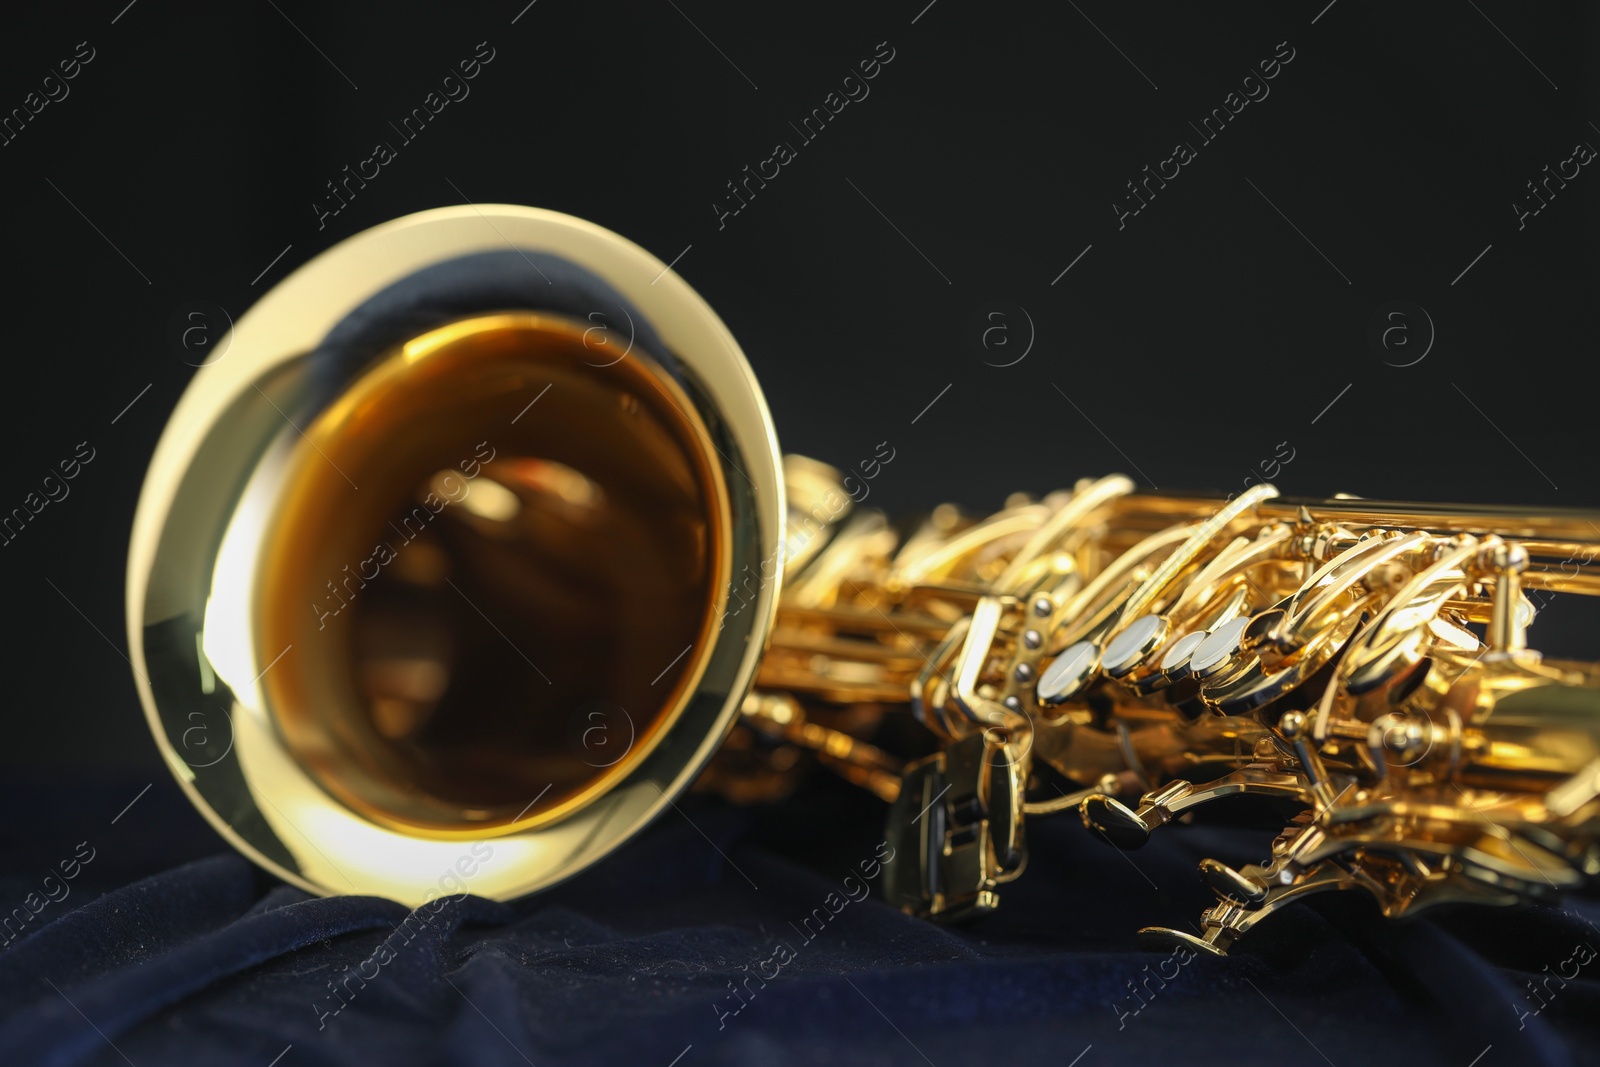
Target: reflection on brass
x=499, y=590
x=429, y=552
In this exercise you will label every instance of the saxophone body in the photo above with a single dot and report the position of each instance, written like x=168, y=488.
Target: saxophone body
x=1361, y=667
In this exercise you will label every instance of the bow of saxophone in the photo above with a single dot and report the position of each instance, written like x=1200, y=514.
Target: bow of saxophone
x=1363, y=667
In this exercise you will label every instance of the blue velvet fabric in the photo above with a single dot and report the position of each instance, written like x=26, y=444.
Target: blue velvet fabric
x=168, y=949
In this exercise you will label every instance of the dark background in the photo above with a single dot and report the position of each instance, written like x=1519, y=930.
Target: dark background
x=1183, y=349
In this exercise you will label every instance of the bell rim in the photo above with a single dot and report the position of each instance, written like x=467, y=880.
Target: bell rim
x=281, y=328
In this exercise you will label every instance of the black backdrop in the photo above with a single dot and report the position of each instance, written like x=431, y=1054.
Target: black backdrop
x=885, y=284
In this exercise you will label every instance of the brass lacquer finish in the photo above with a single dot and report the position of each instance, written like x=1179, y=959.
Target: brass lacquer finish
x=605, y=533
x=1362, y=665
x=385, y=729
x=589, y=534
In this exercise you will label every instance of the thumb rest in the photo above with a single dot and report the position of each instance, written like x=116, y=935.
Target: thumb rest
x=1132, y=657
x=500, y=585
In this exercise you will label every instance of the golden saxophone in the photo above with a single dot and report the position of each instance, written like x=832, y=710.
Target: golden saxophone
x=473, y=549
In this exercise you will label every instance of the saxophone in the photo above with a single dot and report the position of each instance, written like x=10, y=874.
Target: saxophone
x=404, y=625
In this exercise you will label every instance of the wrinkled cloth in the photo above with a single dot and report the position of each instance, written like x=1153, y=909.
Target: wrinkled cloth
x=739, y=936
